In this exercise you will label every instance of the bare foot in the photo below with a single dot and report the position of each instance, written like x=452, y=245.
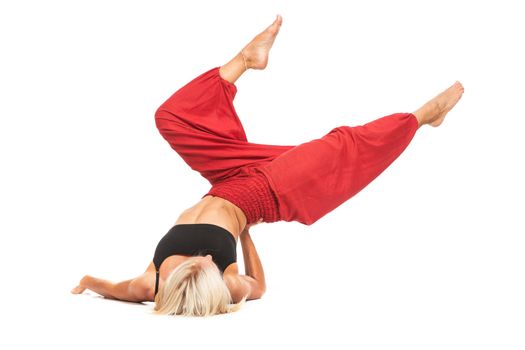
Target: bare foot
x=434, y=111
x=445, y=101
x=257, y=51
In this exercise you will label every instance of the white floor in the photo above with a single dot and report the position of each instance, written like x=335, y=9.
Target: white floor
x=330, y=286
x=429, y=256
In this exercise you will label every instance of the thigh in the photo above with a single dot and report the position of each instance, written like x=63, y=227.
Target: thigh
x=200, y=123
x=315, y=177
x=216, y=158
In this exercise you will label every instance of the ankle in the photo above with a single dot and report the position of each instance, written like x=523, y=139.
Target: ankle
x=245, y=60
x=232, y=70
x=419, y=118
x=427, y=112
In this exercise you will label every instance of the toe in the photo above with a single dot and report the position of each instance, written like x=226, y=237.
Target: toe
x=276, y=24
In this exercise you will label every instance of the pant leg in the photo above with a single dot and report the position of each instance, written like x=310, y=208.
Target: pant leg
x=200, y=123
x=316, y=177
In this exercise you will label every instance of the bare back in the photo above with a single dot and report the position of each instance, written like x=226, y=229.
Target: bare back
x=217, y=211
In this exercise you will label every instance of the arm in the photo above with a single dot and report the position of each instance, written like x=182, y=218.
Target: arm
x=137, y=289
x=253, y=280
x=252, y=265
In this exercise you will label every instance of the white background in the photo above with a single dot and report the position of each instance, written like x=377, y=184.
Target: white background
x=428, y=256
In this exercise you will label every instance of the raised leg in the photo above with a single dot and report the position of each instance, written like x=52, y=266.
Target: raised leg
x=200, y=123
x=316, y=177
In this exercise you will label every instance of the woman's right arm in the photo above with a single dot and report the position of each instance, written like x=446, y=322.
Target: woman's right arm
x=254, y=273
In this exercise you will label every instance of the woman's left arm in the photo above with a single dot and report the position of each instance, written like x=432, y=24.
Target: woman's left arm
x=137, y=289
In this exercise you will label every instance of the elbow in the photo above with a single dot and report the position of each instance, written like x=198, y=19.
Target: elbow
x=262, y=289
x=149, y=294
x=141, y=290
x=258, y=292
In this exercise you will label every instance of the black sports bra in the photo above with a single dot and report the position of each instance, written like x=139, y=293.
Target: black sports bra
x=196, y=239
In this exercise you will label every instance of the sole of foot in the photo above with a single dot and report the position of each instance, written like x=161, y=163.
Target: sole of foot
x=258, y=50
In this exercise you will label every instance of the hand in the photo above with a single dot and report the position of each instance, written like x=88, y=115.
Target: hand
x=81, y=286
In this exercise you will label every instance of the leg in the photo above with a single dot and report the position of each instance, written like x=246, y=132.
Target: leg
x=316, y=177
x=200, y=123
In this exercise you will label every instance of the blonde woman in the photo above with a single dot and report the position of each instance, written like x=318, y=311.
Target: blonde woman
x=194, y=269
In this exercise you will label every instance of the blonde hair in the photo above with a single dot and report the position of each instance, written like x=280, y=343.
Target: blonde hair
x=195, y=290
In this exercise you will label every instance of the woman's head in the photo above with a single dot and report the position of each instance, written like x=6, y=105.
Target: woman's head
x=195, y=288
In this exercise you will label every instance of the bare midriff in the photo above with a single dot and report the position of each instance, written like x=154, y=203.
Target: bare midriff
x=216, y=211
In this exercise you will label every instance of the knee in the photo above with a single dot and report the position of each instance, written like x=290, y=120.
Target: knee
x=161, y=112
x=173, y=106
x=166, y=115
x=165, y=124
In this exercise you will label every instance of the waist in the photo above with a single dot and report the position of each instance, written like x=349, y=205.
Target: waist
x=251, y=192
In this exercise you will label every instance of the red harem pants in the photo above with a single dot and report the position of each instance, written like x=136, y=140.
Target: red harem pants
x=309, y=180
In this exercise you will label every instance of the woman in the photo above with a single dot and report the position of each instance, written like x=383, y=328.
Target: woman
x=194, y=269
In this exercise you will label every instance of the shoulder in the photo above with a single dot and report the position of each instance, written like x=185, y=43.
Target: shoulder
x=238, y=288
